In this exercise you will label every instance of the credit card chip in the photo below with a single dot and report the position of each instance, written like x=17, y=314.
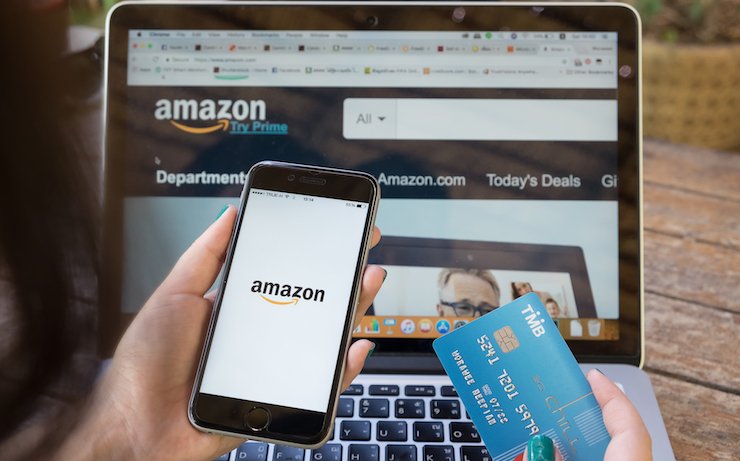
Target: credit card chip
x=506, y=339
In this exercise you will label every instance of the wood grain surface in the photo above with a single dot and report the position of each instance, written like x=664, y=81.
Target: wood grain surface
x=692, y=301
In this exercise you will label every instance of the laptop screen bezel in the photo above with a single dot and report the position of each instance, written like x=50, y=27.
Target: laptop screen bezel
x=393, y=355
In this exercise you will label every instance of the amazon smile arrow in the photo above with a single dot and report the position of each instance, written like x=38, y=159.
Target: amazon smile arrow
x=222, y=124
x=280, y=303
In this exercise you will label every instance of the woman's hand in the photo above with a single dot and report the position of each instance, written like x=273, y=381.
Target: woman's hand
x=630, y=438
x=139, y=409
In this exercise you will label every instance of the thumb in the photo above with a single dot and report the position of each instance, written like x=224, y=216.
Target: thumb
x=198, y=267
x=630, y=438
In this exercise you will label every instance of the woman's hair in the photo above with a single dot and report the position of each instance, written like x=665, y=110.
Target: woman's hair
x=515, y=288
x=48, y=231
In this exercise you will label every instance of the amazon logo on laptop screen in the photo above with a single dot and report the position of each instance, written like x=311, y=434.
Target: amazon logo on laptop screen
x=239, y=117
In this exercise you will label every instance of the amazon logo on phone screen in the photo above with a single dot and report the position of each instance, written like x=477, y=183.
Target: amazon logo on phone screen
x=295, y=280
x=286, y=294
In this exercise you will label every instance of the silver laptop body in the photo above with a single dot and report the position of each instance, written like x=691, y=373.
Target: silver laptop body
x=506, y=138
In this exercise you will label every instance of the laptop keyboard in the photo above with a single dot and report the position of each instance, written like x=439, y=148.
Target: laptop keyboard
x=387, y=422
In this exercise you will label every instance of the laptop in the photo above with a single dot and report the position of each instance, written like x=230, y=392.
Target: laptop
x=507, y=142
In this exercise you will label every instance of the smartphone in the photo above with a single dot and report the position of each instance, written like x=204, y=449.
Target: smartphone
x=282, y=321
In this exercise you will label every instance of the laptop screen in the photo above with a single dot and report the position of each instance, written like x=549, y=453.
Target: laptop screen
x=496, y=150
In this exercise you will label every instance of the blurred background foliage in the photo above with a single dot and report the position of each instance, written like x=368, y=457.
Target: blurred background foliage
x=690, y=21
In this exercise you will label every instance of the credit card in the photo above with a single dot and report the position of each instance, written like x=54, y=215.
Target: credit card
x=517, y=378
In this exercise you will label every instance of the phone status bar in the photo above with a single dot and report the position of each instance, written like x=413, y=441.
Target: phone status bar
x=287, y=196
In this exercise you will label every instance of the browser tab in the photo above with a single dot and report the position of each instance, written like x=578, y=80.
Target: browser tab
x=377, y=58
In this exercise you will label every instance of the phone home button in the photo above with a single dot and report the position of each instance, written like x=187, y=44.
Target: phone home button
x=257, y=418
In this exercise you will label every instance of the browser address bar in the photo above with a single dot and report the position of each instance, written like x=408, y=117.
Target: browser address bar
x=480, y=119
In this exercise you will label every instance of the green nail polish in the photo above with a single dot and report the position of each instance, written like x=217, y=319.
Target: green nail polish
x=540, y=448
x=223, y=210
x=370, y=352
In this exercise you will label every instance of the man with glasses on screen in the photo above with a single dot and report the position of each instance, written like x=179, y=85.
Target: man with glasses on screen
x=467, y=293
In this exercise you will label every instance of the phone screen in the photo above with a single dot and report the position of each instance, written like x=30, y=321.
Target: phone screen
x=286, y=300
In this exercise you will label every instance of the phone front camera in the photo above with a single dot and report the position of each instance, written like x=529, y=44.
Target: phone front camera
x=291, y=177
x=372, y=21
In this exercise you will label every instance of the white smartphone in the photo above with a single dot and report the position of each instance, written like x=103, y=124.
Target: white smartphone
x=274, y=354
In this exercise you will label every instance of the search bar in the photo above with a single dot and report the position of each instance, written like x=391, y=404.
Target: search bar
x=480, y=119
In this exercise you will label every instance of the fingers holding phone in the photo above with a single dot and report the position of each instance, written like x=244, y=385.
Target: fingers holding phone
x=361, y=350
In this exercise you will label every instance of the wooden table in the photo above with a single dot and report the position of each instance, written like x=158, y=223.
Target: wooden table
x=692, y=296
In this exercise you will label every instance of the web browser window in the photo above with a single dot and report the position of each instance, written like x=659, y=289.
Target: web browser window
x=502, y=138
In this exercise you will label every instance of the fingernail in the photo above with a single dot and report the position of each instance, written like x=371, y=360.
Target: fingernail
x=385, y=274
x=599, y=371
x=370, y=352
x=223, y=210
x=540, y=448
